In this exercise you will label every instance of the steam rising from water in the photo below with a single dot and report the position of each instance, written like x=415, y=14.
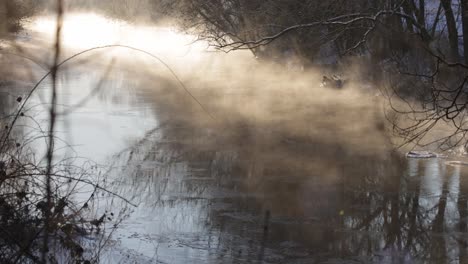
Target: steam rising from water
x=87, y=30
x=239, y=91
x=284, y=141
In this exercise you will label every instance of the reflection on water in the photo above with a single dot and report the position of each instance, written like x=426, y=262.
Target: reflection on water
x=249, y=196
x=301, y=176
x=207, y=204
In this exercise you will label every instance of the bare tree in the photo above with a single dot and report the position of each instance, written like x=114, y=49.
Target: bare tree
x=405, y=37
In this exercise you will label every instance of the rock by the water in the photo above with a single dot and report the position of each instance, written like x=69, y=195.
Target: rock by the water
x=421, y=155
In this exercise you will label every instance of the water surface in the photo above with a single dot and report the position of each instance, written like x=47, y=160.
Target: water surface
x=271, y=169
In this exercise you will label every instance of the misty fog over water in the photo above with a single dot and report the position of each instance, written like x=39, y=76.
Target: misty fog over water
x=229, y=159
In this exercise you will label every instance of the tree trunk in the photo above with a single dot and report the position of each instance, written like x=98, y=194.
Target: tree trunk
x=436, y=21
x=464, y=12
x=452, y=29
x=422, y=13
x=409, y=11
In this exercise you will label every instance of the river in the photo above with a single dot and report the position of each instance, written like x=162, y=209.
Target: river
x=239, y=162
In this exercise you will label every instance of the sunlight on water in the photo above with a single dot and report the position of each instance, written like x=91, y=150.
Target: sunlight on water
x=87, y=30
x=309, y=161
x=312, y=163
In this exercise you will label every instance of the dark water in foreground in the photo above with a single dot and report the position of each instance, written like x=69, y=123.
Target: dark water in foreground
x=225, y=205
x=308, y=180
x=257, y=194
